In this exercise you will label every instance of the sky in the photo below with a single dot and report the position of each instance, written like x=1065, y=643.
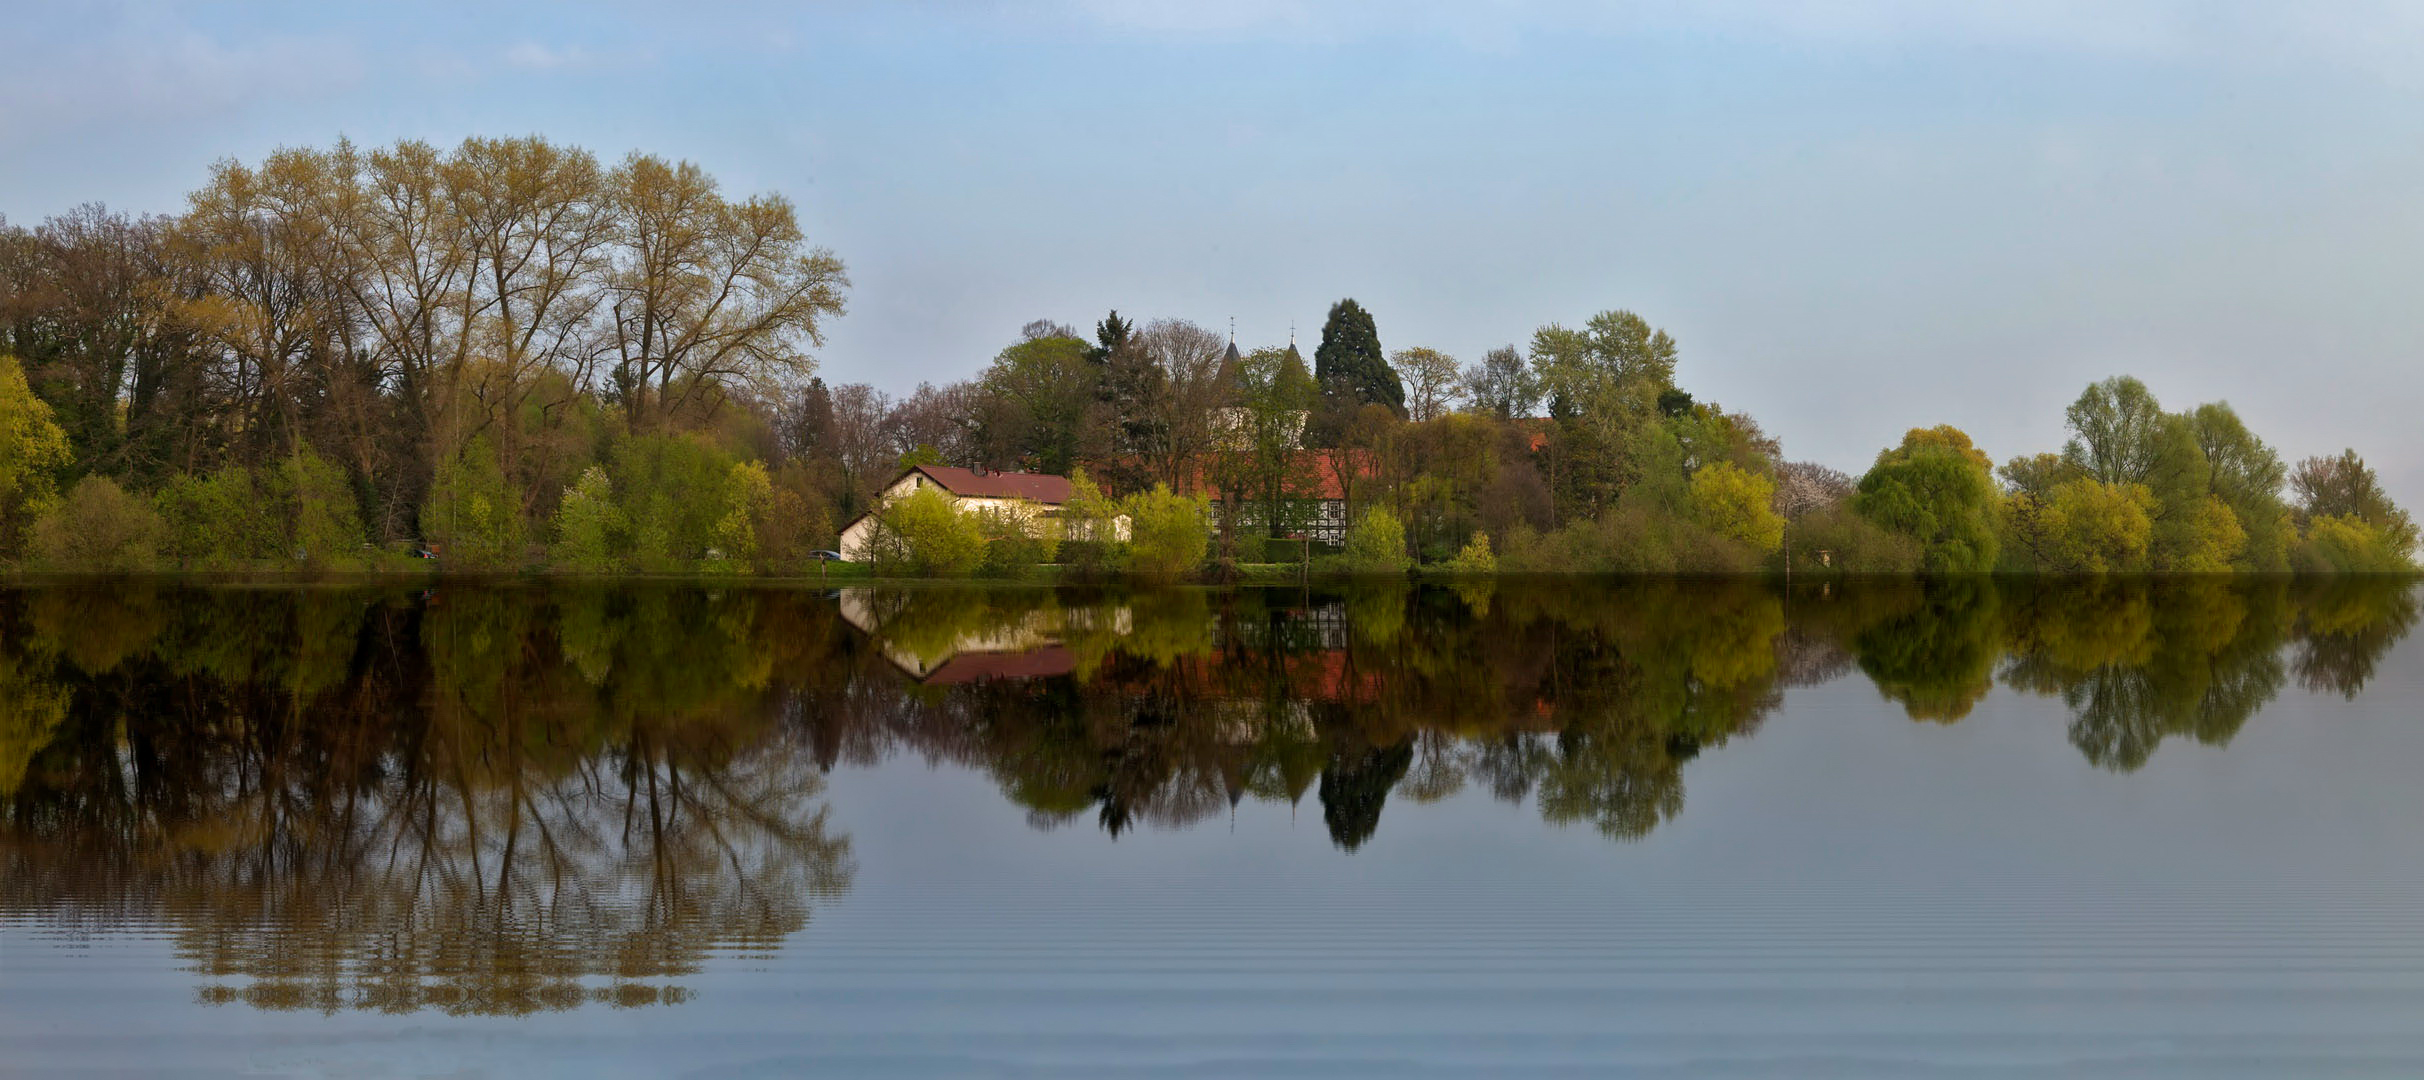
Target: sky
x=1854, y=218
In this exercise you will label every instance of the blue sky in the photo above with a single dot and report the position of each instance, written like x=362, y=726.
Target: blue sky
x=1855, y=218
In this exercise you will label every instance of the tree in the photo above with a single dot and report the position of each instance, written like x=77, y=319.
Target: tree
x=1935, y=489
x=2247, y=476
x=704, y=289
x=1735, y=503
x=473, y=517
x=98, y=527
x=1043, y=395
x=1803, y=487
x=2345, y=487
x=1429, y=377
x=2037, y=476
x=1475, y=559
x=1349, y=365
x=33, y=451
x=1167, y=534
x=1264, y=474
x=1192, y=395
x=1501, y=385
x=2114, y=425
x=2084, y=526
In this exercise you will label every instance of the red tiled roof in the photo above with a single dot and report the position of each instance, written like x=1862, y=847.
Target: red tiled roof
x=989, y=484
x=1323, y=467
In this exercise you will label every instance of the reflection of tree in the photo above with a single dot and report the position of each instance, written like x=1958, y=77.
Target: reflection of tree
x=2138, y=661
x=1936, y=656
x=2345, y=627
x=448, y=815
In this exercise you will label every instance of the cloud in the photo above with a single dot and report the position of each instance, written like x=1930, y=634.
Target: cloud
x=147, y=70
x=535, y=56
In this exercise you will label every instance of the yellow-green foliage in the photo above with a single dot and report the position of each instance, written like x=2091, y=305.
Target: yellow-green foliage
x=1476, y=558
x=2083, y=526
x=473, y=516
x=748, y=501
x=2207, y=539
x=1737, y=503
x=589, y=526
x=296, y=513
x=2348, y=544
x=1376, y=544
x=1014, y=544
x=98, y=527
x=1167, y=533
x=671, y=491
x=924, y=534
x=32, y=451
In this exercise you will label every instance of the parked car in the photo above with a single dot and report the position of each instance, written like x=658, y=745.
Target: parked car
x=825, y=556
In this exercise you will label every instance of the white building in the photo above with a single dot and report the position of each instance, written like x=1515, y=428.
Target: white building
x=1036, y=497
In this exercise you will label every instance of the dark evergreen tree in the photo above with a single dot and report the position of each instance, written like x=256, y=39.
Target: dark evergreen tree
x=1350, y=366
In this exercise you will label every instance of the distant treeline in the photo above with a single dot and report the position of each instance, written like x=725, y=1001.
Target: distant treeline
x=517, y=357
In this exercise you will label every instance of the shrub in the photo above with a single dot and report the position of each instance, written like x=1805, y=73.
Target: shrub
x=310, y=495
x=2348, y=544
x=1167, y=533
x=1376, y=545
x=1091, y=546
x=1476, y=559
x=1853, y=544
x=671, y=489
x=748, y=497
x=1014, y=546
x=589, y=526
x=924, y=534
x=98, y=527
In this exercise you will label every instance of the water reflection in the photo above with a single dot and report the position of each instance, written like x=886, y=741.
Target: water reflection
x=506, y=800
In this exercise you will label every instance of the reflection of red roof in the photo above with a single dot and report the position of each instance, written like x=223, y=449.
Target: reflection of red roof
x=978, y=667
x=989, y=484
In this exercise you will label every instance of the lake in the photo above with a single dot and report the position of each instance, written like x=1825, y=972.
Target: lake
x=1672, y=829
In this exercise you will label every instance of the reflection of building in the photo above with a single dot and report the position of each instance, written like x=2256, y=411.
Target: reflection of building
x=1034, y=497
x=1022, y=646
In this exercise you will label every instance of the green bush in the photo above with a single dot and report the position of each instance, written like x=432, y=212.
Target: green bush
x=1475, y=560
x=672, y=491
x=1852, y=545
x=1376, y=545
x=1167, y=534
x=589, y=526
x=98, y=527
x=923, y=534
x=1014, y=546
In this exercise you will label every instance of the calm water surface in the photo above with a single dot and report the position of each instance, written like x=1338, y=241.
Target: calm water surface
x=1694, y=830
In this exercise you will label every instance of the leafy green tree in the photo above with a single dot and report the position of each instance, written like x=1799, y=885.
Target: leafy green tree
x=217, y=520
x=1736, y=503
x=2114, y=426
x=1349, y=364
x=2247, y=476
x=33, y=451
x=672, y=493
x=98, y=527
x=1935, y=489
x=315, y=503
x=590, y=528
x=2349, y=544
x=1091, y=544
x=473, y=516
x=1167, y=534
x=1043, y=394
x=1376, y=544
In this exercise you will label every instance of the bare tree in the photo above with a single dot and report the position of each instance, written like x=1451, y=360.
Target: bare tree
x=1430, y=380
x=1192, y=395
